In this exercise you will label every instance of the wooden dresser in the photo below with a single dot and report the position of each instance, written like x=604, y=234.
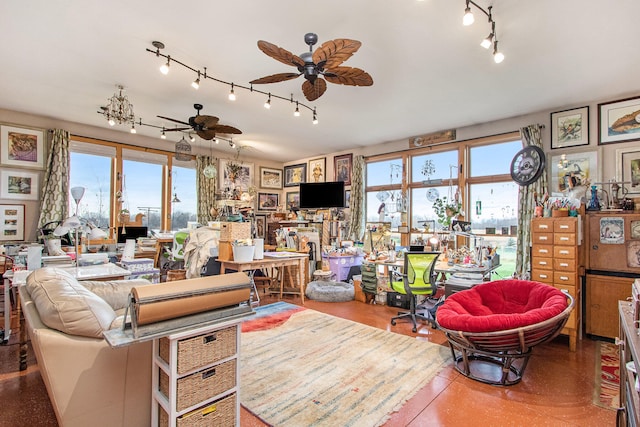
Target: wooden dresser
x=557, y=259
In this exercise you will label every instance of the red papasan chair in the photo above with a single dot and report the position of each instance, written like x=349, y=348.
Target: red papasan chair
x=498, y=323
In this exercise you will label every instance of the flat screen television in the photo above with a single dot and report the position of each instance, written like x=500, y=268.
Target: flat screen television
x=131, y=232
x=322, y=195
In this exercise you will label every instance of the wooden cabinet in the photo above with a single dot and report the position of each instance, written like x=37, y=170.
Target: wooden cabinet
x=196, y=377
x=557, y=259
x=610, y=240
x=629, y=343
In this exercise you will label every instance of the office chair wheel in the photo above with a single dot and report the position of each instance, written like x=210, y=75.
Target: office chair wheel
x=393, y=322
x=414, y=330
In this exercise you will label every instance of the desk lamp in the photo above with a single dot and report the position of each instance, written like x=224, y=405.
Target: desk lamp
x=73, y=222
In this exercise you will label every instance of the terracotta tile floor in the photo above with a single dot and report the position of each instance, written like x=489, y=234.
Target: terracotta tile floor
x=557, y=388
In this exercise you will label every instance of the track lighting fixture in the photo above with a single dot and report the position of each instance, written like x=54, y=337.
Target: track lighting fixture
x=297, y=112
x=492, y=38
x=315, y=117
x=133, y=127
x=196, y=83
x=216, y=140
x=192, y=138
x=162, y=135
x=232, y=144
x=232, y=96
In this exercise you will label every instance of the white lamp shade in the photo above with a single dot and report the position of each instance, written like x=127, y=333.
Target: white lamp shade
x=97, y=234
x=77, y=193
x=72, y=222
x=61, y=230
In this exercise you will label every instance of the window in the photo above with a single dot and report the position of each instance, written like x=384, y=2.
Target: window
x=183, y=197
x=384, y=201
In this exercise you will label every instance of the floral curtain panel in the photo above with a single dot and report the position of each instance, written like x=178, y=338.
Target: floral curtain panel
x=206, y=178
x=357, y=220
x=531, y=136
x=55, y=187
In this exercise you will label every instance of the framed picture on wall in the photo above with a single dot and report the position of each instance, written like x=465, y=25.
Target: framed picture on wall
x=270, y=178
x=317, y=170
x=295, y=175
x=268, y=201
x=342, y=168
x=572, y=173
x=21, y=147
x=347, y=198
x=628, y=168
x=235, y=175
x=618, y=121
x=570, y=128
x=293, y=200
x=261, y=226
x=18, y=184
x=11, y=222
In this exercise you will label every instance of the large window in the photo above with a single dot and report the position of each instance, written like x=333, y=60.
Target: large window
x=183, y=197
x=476, y=171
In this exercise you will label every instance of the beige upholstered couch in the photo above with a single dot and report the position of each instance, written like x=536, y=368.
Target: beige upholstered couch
x=88, y=382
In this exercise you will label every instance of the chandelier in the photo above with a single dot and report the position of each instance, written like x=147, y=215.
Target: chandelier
x=119, y=109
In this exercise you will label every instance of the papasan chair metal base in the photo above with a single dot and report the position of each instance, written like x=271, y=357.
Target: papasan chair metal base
x=500, y=357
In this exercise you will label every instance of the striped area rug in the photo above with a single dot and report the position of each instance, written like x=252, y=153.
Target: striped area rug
x=319, y=370
x=607, y=391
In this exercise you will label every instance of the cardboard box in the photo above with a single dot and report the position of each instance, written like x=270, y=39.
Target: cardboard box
x=359, y=293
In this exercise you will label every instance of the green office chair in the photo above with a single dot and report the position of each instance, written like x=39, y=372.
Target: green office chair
x=418, y=279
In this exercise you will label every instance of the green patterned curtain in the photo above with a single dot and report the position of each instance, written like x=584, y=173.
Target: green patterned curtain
x=55, y=188
x=357, y=221
x=531, y=135
x=206, y=188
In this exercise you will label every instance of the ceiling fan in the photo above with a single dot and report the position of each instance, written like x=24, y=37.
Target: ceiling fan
x=325, y=61
x=206, y=127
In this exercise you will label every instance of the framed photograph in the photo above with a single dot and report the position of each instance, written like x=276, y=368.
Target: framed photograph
x=11, y=222
x=235, y=175
x=633, y=254
x=628, y=168
x=570, y=128
x=295, y=175
x=317, y=170
x=347, y=198
x=619, y=121
x=21, y=147
x=268, y=201
x=342, y=168
x=20, y=185
x=270, y=178
x=572, y=173
x=293, y=200
x=261, y=226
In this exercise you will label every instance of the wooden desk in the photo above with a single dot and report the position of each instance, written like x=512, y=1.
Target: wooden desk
x=273, y=260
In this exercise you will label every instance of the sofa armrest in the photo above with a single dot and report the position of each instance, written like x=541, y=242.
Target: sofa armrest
x=114, y=292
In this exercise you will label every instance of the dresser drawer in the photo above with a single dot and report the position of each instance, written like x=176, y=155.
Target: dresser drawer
x=542, y=238
x=572, y=322
x=544, y=276
x=543, y=225
x=565, y=264
x=564, y=252
x=564, y=239
x=542, y=250
x=564, y=278
x=565, y=225
x=542, y=263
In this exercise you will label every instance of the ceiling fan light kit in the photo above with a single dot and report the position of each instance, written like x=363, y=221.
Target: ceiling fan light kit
x=492, y=38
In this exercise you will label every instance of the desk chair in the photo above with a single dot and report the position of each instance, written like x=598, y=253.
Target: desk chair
x=418, y=278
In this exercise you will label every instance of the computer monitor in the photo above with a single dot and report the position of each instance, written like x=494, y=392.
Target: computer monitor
x=131, y=232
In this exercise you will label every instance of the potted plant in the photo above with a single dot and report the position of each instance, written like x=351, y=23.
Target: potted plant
x=446, y=209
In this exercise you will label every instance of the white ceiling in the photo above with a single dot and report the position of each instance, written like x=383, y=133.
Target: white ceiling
x=62, y=59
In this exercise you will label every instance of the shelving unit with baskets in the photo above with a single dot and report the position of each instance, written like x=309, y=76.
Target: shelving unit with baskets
x=196, y=377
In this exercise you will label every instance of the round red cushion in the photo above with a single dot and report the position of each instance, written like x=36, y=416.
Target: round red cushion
x=501, y=305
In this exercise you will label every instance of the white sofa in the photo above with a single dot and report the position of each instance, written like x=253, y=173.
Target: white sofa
x=88, y=382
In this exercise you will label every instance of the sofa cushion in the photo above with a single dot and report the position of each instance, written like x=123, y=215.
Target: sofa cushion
x=67, y=306
x=114, y=292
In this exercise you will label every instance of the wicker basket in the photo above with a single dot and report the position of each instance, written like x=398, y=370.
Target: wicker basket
x=201, y=350
x=221, y=413
x=231, y=231
x=201, y=385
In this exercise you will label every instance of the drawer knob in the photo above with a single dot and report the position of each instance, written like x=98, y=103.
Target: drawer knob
x=543, y=251
x=564, y=226
x=564, y=238
x=544, y=226
x=564, y=264
x=543, y=263
x=564, y=252
x=543, y=238
x=544, y=276
x=565, y=278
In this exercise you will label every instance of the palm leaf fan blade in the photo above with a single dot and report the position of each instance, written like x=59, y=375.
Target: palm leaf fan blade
x=274, y=78
x=334, y=52
x=227, y=129
x=313, y=91
x=350, y=76
x=280, y=54
x=207, y=134
x=206, y=122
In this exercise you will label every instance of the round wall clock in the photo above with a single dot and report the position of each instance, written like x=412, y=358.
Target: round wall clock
x=418, y=141
x=432, y=194
x=527, y=165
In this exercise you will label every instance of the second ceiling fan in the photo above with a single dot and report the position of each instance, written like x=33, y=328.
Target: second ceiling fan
x=206, y=127
x=324, y=62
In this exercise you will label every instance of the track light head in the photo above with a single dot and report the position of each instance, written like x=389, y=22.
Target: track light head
x=468, y=18
x=133, y=128
x=232, y=94
x=162, y=135
x=267, y=104
x=164, y=68
x=297, y=112
x=498, y=56
x=487, y=42
x=196, y=83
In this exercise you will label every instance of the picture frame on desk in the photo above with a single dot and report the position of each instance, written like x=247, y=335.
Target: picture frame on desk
x=11, y=223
